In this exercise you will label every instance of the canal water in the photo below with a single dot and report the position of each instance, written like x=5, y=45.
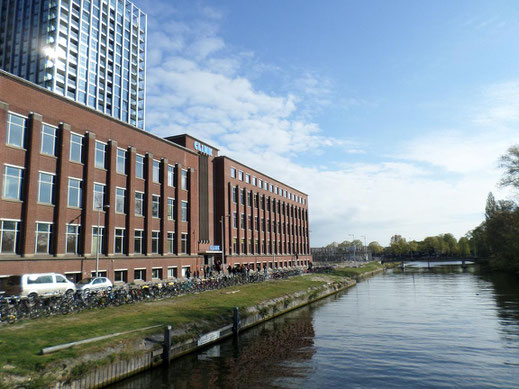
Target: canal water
x=442, y=327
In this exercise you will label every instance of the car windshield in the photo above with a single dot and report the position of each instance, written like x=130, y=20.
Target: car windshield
x=85, y=281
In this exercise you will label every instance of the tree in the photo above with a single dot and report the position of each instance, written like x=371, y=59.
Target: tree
x=510, y=162
x=375, y=248
x=450, y=244
x=464, y=247
x=490, y=206
x=399, y=245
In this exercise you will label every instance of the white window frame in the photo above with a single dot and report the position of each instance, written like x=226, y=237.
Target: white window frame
x=155, y=172
x=52, y=184
x=44, y=135
x=48, y=235
x=94, y=196
x=97, y=163
x=142, y=203
x=119, y=236
x=153, y=203
x=171, y=175
x=79, y=191
x=137, y=164
x=77, y=234
x=72, y=134
x=117, y=160
x=118, y=200
x=19, y=178
x=8, y=130
x=141, y=238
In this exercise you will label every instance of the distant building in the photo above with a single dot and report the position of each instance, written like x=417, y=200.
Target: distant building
x=90, y=51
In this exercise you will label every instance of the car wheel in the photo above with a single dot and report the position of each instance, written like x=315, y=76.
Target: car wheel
x=32, y=296
x=69, y=292
x=109, y=289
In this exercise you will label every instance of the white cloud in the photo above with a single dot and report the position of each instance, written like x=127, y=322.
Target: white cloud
x=434, y=183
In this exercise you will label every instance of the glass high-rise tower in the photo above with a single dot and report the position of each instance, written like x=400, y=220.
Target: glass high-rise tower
x=91, y=51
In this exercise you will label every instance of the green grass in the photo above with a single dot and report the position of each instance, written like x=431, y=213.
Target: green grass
x=21, y=343
x=353, y=272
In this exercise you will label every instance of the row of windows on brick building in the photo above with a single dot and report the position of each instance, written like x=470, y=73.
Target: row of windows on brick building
x=16, y=137
x=10, y=239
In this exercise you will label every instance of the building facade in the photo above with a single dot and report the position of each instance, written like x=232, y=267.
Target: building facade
x=90, y=51
x=82, y=191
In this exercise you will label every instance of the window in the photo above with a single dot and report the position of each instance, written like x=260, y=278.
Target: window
x=138, y=241
x=234, y=194
x=121, y=161
x=74, y=193
x=139, y=166
x=233, y=172
x=247, y=178
x=121, y=275
x=120, y=200
x=171, y=209
x=171, y=242
x=76, y=148
x=234, y=245
x=242, y=245
x=13, y=178
x=183, y=243
x=156, y=171
x=184, y=215
x=9, y=231
x=16, y=130
x=249, y=199
x=234, y=220
x=46, y=188
x=48, y=140
x=184, y=179
x=259, y=182
x=119, y=241
x=100, y=157
x=242, y=221
x=265, y=185
x=254, y=180
x=249, y=222
x=139, y=203
x=171, y=175
x=242, y=196
x=156, y=274
x=43, y=231
x=99, y=196
x=72, y=239
x=251, y=248
x=155, y=239
x=240, y=175
x=97, y=231
x=155, y=205
x=257, y=246
x=139, y=274
x=172, y=272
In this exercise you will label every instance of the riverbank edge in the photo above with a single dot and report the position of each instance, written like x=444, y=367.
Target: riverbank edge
x=110, y=373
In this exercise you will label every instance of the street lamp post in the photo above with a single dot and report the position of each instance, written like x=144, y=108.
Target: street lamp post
x=354, y=247
x=98, y=248
x=222, y=222
x=365, y=248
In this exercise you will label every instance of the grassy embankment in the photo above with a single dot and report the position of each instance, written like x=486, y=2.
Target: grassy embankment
x=20, y=344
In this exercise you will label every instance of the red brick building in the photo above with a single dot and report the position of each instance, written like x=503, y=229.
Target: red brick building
x=77, y=185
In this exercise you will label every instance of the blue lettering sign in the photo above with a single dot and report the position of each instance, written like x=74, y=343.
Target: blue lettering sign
x=203, y=148
x=214, y=248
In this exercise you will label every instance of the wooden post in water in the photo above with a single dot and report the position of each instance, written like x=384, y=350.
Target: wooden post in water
x=166, y=349
x=463, y=264
x=236, y=321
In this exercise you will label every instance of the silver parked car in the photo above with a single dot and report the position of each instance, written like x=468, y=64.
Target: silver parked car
x=95, y=283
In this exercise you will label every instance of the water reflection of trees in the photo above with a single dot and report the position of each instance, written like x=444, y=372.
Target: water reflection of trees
x=506, y=288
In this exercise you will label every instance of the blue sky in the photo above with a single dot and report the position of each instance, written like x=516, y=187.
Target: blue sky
x=390, y=115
